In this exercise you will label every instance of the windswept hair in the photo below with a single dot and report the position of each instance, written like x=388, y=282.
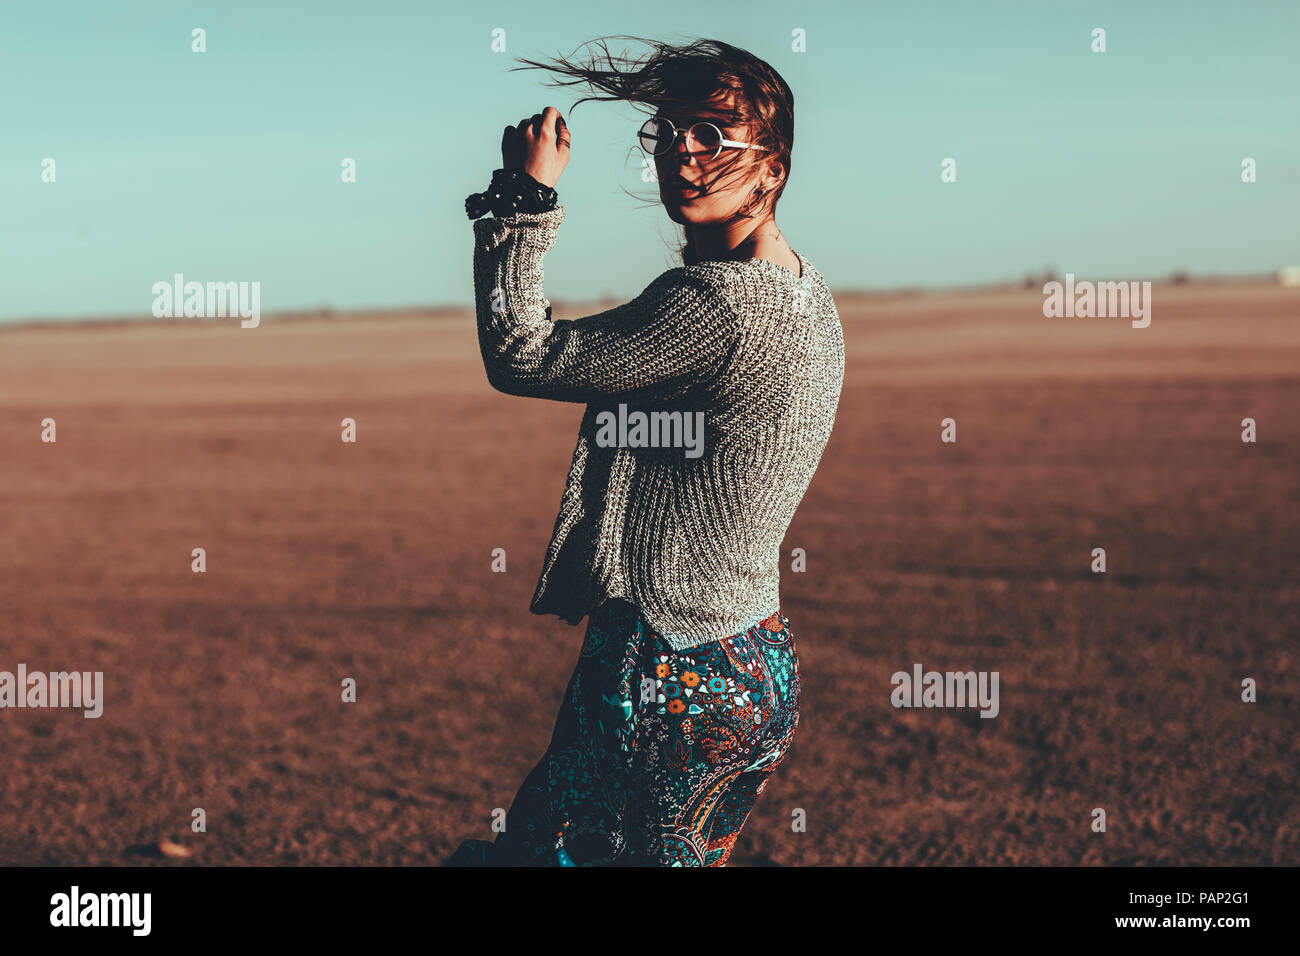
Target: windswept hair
x=689, y=80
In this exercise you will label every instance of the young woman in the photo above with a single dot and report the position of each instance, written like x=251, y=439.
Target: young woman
x=686, y=692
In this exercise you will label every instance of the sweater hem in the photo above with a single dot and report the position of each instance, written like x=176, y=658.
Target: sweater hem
x=684, y=642
x=678, y=641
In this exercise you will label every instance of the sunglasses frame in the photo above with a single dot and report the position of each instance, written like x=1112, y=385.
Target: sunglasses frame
x=723, y=142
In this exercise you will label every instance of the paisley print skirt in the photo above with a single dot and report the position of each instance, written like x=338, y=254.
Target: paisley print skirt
x=657, y=755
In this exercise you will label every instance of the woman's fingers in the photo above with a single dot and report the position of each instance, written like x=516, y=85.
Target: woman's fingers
x=538, y=144
x=554, y=128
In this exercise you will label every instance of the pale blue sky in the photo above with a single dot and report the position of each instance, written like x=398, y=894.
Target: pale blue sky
x=225, y=165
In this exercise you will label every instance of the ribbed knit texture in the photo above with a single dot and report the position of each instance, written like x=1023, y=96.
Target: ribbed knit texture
x=694, y=542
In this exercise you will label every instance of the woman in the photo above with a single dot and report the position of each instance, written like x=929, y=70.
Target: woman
x=686, y=692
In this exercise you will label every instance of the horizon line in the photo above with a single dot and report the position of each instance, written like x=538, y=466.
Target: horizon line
x=1024, y=284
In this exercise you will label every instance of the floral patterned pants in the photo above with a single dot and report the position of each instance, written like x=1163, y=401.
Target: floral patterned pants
x=657, y=755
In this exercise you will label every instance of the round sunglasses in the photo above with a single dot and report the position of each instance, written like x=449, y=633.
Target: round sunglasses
x=657, y=136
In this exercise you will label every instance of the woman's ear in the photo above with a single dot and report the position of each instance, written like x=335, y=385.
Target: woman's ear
x=775, y=176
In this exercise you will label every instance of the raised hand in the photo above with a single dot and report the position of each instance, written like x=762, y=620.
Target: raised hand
x=539, y=145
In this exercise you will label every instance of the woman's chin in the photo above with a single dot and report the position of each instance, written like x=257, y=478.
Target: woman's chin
x=681, y=212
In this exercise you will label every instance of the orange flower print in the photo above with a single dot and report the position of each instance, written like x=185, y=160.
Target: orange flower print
x=676, y=706
x=662, y=671
x=690, y=678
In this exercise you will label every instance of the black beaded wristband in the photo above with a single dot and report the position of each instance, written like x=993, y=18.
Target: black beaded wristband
x=511, y=190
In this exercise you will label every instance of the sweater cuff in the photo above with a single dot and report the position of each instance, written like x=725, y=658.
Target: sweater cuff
x=533, y=231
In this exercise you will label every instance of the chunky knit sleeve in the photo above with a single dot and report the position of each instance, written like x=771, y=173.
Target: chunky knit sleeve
x=679, y=331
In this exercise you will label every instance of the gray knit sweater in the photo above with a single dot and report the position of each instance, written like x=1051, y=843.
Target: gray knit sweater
x=690, y=534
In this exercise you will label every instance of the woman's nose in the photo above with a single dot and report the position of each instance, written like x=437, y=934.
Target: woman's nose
x=681, y=152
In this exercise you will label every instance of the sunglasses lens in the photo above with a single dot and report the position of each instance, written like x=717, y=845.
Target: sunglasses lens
x=656, y=136
x=708, y=138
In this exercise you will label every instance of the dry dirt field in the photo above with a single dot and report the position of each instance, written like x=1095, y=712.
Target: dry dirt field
x=327, y=560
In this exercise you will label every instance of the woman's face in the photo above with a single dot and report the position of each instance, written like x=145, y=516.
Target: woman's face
x=697, y=189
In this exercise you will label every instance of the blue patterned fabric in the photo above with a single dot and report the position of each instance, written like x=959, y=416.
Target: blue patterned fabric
x=658, y=754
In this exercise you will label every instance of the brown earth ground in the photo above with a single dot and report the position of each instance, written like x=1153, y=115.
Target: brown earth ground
x=372, y=561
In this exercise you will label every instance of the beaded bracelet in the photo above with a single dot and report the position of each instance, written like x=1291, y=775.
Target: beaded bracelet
x=512, y=190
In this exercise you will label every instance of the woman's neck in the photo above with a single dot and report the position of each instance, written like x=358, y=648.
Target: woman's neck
x=744, y=240
x=738, y=240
